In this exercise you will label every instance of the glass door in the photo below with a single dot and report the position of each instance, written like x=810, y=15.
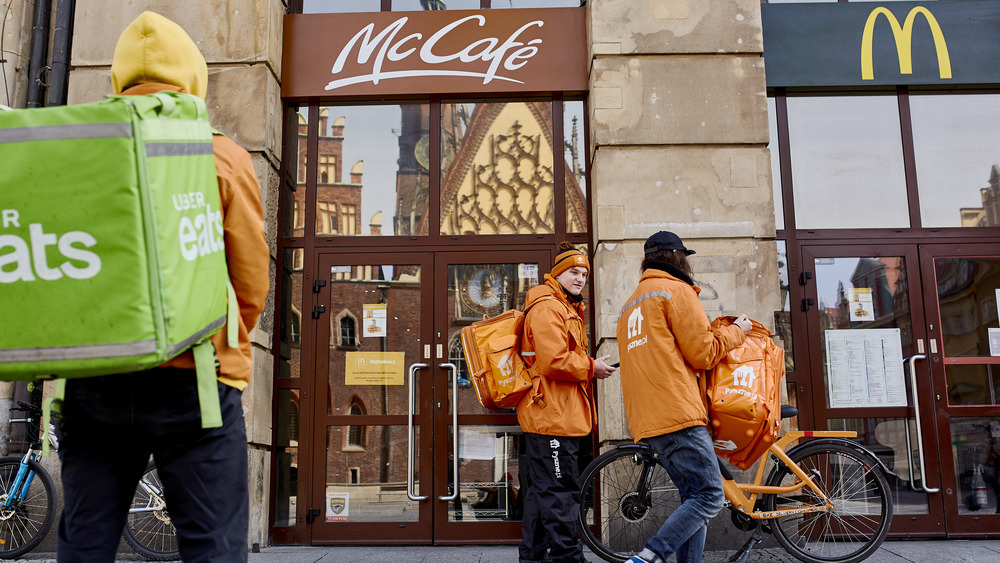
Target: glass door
x=478, y=493
x=962, y=295
x=372, y=410
x=866, y=328
x=394, y=460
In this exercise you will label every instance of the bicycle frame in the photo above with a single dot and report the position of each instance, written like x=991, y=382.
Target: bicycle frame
x=743, y=496
x=22, y=483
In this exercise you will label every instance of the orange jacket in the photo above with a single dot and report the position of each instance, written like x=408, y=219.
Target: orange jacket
x=664, y=342
x=561, y=400
x=247, y=255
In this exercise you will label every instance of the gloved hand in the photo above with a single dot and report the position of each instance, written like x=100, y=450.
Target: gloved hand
x=744, y=323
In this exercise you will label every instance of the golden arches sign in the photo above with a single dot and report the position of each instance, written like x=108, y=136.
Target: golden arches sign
x=904, y=41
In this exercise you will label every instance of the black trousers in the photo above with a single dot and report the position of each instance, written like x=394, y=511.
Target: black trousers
x=552, y=500
x=110, y=427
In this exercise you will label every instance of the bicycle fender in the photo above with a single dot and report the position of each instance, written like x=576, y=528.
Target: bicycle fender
x=870, y=457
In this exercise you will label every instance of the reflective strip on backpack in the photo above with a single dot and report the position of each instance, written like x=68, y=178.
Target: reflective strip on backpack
x=179, y=149
x=196, y=337
x=91, y=352
x=66, y=132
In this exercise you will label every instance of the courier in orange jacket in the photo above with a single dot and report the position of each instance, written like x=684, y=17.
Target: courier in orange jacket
x=557, y=413
x=664, y=342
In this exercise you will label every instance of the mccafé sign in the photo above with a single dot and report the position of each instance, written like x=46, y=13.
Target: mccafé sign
x=882, y=43
x=435, y=52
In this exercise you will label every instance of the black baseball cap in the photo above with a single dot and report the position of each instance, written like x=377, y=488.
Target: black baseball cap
x=665, y=240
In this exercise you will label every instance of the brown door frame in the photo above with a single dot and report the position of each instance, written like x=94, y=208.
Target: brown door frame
x=924, y=525
x=974, y=525
x=409, y=533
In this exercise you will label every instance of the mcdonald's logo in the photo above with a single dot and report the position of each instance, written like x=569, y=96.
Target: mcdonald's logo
x=904, y=40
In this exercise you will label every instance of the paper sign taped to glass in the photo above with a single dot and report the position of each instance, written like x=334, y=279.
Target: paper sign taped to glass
x=374, y=320
x=338, y=505
x=864, y=368
x=374, y=368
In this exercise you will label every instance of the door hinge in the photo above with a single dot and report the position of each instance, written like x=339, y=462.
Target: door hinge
x=318, y=310
x=804, y=278
x=311, y=514
x=318, y=284
x=807, y=302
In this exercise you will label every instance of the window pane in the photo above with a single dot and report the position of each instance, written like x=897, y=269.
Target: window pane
x=783, y=317
x=339, y=7
x=967, y=298
x=862, y=294
x=368, y=484
x=286, y=451
x=489, y=474
x=290, y=327
x=294, y=189
x=772, y=126
x=372, y=170
x=976, y=445
x=537, y=3
x=496, y=162
x=847, y=162
x=576, y=167
x=956, y=148
x=414, y=5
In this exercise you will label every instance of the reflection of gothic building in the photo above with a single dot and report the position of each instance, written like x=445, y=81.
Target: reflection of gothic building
x=989, y=214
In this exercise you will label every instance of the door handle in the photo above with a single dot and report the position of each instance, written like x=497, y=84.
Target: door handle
x=410, y=493
x=916, y=412
x=454, y=431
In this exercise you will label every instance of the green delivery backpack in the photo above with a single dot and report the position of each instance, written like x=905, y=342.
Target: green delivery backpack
x=111, y=240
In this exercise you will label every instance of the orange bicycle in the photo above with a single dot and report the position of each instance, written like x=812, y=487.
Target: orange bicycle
x=826, y=499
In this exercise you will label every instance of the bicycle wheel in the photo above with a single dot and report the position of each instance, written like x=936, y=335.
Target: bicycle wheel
x=148, y=528
x=24, y=523
x=862, y=510
x=626, y=497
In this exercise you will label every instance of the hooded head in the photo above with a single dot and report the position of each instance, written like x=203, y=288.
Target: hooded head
x=155, y=49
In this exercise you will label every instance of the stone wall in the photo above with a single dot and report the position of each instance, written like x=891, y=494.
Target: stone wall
x=678, y=141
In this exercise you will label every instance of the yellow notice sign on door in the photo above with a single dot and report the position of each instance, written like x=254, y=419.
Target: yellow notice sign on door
x=374, y=368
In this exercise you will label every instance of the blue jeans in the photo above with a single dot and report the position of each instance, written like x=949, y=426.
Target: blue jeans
x=690, y=460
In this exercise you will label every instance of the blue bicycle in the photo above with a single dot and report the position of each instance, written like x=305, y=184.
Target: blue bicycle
x=27, y=494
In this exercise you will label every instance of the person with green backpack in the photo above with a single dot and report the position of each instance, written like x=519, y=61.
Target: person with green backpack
x=156, y=412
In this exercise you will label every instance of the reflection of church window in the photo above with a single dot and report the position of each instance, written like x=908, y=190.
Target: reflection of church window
x=354, y=475
x=350, y=213
x=298, y=221
x=345, y=330
x=326, y=218
x=356, y=432
x=295, y=328
x=326, y=169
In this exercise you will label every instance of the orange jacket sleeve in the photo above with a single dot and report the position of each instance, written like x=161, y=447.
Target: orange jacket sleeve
x=701, y=346
x=559, y=344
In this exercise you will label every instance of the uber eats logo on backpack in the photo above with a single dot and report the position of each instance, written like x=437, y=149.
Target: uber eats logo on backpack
x=200, y=234
x=28, y=259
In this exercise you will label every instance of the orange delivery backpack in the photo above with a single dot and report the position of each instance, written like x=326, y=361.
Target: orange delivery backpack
x=492, y=349
x=743, y=396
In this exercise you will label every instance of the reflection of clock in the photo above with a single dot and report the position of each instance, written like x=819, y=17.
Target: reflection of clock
x=483, y=289
x=420, y=152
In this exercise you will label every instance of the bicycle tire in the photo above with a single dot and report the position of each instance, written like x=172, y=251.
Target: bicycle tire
x=25, y=525
x=862, y=512
x=148, y=529
x=613, y=520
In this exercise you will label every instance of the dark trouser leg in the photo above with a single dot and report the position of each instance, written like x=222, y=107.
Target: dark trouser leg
x=555, y=475
x=98, y=480
x=204, y=476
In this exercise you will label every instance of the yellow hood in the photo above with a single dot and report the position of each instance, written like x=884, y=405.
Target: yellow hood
x=155, y=49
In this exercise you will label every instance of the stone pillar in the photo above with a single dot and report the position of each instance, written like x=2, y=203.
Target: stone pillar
x=678, y=142
x=241, y=41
